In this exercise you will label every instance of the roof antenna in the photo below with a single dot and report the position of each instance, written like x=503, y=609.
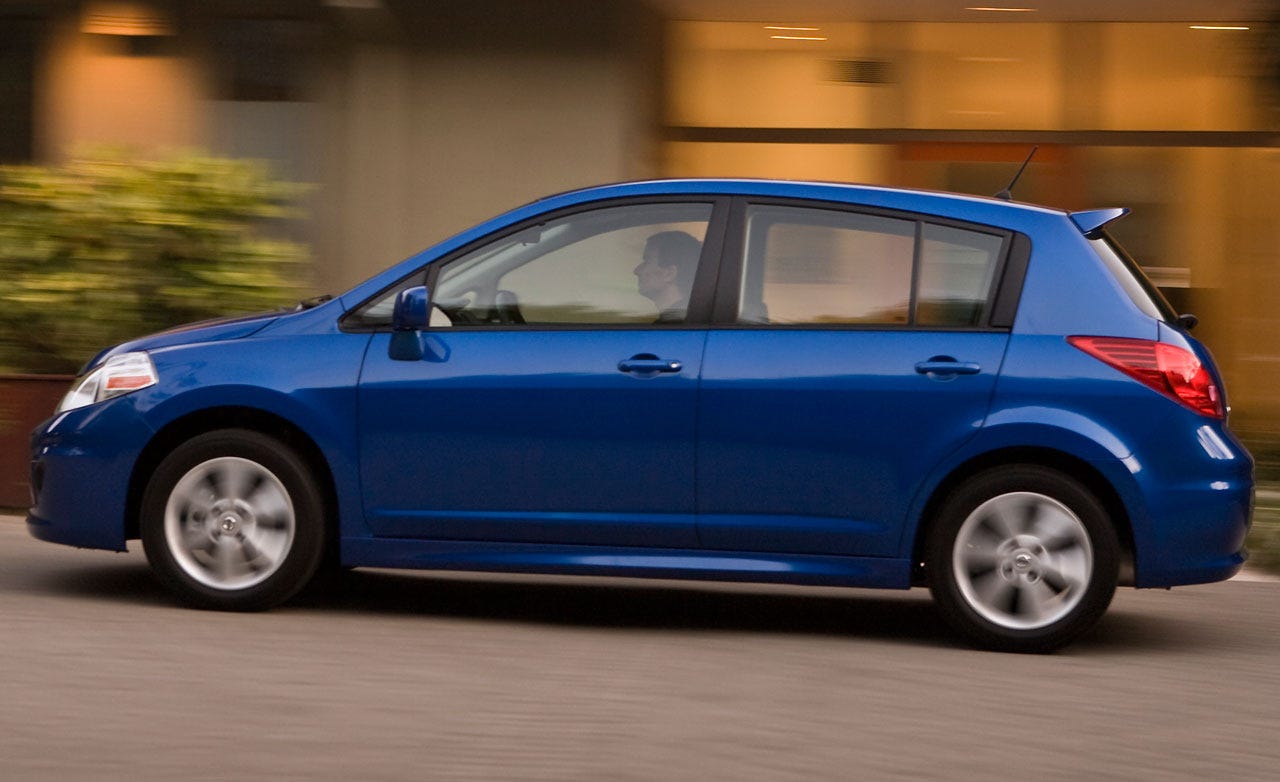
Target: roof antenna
x=1007, y=193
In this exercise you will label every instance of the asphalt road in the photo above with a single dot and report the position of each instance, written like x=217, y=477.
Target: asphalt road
x=427, y=676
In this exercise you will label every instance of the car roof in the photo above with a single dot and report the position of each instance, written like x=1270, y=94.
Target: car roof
x=833, y=191
x=976, y=209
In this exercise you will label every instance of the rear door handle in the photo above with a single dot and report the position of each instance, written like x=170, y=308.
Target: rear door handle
x=646, y=364
x=947, y=366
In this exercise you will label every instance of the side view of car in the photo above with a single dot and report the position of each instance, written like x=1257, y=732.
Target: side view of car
x=703, y=379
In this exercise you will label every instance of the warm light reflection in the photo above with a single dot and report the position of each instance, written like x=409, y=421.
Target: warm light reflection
x=1218, y=27
x=135, y=18
x=797, y=38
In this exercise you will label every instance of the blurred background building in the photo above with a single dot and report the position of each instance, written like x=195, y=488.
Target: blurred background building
x=417, y=118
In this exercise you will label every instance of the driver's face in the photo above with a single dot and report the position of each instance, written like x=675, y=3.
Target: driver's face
x=651, y=276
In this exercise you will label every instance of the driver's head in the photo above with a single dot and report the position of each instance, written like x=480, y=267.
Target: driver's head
x=665, y=275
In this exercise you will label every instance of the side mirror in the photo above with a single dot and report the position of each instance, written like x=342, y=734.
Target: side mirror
x=409, y=320
x=413, y=309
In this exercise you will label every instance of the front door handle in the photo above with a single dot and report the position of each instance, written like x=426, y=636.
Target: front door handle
x=945, y=365
x=648, y=364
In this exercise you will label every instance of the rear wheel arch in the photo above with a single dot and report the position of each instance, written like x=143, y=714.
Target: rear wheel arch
x=1071, y=466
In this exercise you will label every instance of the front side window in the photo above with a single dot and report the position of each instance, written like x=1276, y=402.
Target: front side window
x=631, y=264
x=823, y=266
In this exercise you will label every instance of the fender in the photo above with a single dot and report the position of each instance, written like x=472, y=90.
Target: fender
x=1053, y=430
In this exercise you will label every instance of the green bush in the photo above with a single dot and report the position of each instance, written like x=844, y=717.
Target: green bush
x=107, y=247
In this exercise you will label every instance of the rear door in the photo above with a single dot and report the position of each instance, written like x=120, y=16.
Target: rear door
x=853, y=350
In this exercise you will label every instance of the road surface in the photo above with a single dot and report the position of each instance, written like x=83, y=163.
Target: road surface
x=474, y=677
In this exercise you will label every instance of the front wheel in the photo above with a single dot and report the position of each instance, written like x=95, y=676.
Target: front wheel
x=1023, y=559
x=233, y=520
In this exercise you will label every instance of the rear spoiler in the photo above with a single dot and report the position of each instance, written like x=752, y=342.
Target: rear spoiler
x=1094, y=219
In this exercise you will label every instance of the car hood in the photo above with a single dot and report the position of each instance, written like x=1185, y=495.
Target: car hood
x=203, y=331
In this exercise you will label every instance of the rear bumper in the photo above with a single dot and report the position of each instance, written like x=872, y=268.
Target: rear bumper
x=1199, y=505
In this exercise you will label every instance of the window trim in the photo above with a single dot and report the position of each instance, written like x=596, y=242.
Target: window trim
x=698, y=314
x=1002, y=296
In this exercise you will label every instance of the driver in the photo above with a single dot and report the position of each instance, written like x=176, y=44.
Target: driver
x=665, y=275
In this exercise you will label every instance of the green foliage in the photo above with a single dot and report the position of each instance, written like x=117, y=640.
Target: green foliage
x=107, y=247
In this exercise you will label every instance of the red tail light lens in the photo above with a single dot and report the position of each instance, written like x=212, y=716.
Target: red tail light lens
x=1169, y=369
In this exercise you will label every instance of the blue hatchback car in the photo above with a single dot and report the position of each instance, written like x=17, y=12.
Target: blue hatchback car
x=707, y=379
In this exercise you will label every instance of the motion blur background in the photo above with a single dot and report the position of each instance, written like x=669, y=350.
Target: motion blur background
x=414, y=119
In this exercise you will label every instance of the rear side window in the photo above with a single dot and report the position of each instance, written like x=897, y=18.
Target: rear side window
x=822, y=266
x=819, y=266
x=1145, y=295
x=957, y=267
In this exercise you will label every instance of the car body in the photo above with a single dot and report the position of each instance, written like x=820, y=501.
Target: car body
x=862, y=386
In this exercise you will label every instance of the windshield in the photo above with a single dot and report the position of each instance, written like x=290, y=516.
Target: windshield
x=1135, y=282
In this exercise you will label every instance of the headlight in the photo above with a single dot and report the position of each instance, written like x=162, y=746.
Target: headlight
x=117, y=375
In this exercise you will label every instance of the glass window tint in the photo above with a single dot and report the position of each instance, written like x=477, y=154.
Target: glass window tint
x=630, y=264
x=1144, y=294
x=821, y=266
x=957, y=268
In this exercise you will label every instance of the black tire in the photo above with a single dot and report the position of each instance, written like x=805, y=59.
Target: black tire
x=232, y=520
x=1022, y=559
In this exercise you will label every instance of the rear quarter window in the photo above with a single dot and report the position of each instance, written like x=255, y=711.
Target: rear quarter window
x=1144, y=294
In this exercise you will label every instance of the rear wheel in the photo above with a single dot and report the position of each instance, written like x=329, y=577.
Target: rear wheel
x=233, y=520
x=1023, y=558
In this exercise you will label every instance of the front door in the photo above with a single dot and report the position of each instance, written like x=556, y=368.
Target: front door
x=555, y=401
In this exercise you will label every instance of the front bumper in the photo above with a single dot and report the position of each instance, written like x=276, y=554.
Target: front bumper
x=81, y=464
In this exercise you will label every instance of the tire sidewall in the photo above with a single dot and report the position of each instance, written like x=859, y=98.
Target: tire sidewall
x=305, y=551
x=1050, y=483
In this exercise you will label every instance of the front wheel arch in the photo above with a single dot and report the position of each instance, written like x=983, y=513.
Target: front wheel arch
x=195, y=424
x=233, y=519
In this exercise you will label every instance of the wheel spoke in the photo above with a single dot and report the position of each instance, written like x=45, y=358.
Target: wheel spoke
x=1003, y=520
x=196, y=538
x=994, y=592
x=224, y=560
x=235, y=478
x=1057, y=529
x=270, y=505
x=254, y=557
x=1037, y=600
x=1069, y=572
x=980, y=563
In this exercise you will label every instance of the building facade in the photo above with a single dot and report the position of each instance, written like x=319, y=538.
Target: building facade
x=416, y=118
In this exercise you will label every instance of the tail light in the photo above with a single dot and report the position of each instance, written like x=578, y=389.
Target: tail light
x=1169, y=369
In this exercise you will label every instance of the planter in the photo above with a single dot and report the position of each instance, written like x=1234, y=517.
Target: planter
x=25, y=401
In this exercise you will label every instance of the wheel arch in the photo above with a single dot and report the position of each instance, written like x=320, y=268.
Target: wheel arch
x=231, y=417
x=1069, y=465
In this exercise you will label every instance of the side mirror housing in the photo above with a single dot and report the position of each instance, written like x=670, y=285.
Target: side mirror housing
x=413, y=309
x=409, y=320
